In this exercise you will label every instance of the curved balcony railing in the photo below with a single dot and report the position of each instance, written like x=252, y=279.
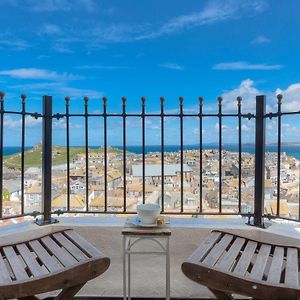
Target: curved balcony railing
x=47, y=116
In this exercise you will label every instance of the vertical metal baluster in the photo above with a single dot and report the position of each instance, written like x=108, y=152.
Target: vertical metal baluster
x=239, y=104
x=162, y=154
x=105, y=151
x=1, y=150
x=220, y=152
x=124, y=151
x=279, y=102
x=67, y=102
x=181, y=152
x=260, y=143
x=201, y=152
x=143, y=145
x=47, y=162
x=23, y=97
x=86, y=152
x=299, y=196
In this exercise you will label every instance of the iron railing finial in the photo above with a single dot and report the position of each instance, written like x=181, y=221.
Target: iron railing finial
x=67, y=100
x=143, y=101
x=201, y=100
x=279, y=98
x=220, y=100
x=162, y=101
x=23, y=97
x=2, y=94
x=239, y=101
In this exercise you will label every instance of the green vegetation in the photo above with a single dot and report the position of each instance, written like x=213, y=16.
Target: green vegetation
x=33, y=157
x=5, y=195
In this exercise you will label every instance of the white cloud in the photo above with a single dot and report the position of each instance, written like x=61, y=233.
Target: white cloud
x=33, y=73
x=59, y=89
x=214, y=12
x=61, y=5
x=224, y=127
x=10, y=41
x=116, y=33
x=291, y=95
x=50, y=29
x=172, y=66
x=248, y=92
x=43, y=56
x=62, y=49
x=243, y=65
x=10, y=123
x=271, y=125
x=59, y=124
x=261, y=39
x=247, y=128
x=49, y=5
x=16, y=44
x=80, y=93
x=101, y=67
x=99, y=34
x=30, y=122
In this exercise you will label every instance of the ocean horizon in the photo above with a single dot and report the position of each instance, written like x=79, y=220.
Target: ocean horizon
x=290, y=150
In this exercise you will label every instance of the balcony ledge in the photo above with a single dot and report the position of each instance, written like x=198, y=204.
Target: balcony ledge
x=104, y=233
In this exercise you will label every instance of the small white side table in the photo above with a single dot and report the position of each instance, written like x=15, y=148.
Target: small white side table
x=132, y=236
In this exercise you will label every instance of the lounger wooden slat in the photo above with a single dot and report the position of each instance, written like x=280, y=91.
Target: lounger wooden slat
x=67, y=244
x=217, y=250
x=84, y=245
x=30, y=261
x=244, y=261
x=291, y=272
x=61, y=254
x=46, y=264
x=276, y=266
x=4, y=276
x=205, y=247
x=260, y=263
x=227, y=260
x=15, y=263
x=247, y=267
x=50, y=262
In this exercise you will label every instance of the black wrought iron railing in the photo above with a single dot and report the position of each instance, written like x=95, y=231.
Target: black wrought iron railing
x=47, y=117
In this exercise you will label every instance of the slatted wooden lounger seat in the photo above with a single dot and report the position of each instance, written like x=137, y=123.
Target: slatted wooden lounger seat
x=229, y=264
x=61, y=260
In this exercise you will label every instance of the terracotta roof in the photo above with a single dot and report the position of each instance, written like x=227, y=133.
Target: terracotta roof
x=35, y=189
x=76, y=201
x=271, y=207
x=111, y=201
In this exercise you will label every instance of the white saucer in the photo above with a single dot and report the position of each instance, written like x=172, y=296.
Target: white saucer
x=137, y=222
x=147, y=225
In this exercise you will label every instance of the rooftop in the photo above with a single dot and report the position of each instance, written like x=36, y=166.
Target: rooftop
x=155, y=170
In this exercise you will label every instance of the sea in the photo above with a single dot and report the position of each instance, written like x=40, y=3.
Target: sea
x=290, y=150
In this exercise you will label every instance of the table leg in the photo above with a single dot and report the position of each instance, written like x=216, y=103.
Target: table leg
x=167, y=269
x=124, y=268
x=129, y=276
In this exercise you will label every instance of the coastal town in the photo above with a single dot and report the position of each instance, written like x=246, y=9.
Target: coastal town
x=193, y=201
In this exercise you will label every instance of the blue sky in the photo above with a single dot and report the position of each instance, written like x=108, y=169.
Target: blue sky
x=149, y=48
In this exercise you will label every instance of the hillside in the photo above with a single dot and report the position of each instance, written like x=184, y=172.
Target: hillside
x=33, y=157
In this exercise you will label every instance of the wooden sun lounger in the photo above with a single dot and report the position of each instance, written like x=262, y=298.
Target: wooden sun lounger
x=61, y=260
x=229, y=264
